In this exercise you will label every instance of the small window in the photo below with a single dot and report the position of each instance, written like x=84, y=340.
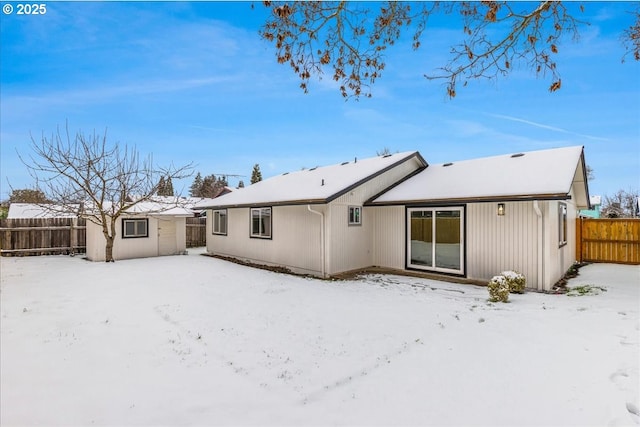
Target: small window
x=562, y=224
x=220, y=222
x=135, y=228
x=355, y=215
x=261, y=223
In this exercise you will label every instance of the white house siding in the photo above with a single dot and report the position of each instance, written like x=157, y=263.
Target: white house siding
x=172, y=236
x=497, y=243
x=295, y=241
x=389, y=236
x=122, y=248
x=559, y=258
x=351, y=247
x=493, y=243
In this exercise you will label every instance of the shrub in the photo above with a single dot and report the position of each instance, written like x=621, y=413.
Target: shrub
x=498, y=289
x=516, y=281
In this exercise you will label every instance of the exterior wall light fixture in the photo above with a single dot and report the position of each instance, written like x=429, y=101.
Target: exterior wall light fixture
x=500, y=209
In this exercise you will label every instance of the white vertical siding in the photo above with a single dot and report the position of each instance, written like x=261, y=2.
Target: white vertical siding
x=95, y=242
x=497, y=243
x=352, y=247
x=349, y=246
x=127, y=248
x=559, y=258
x=389, y=236
x=295, y=241
x=181, y=234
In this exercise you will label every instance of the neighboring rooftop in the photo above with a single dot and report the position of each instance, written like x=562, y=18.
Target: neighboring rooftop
x=32, y=210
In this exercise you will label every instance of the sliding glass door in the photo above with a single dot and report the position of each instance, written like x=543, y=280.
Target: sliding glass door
x=435, y=239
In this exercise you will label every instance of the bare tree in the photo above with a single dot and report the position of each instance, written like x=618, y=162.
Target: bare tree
x=105, y=179
x=351, y=38
x=622, y=204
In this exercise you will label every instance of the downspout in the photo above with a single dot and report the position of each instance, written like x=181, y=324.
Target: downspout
x=321, y=237
x=538, y=212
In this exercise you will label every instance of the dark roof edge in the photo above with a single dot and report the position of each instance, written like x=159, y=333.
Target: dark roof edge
x=267, y=204
x=487, y=199
x=411, y=175
x=586, y=178
x=415, y=154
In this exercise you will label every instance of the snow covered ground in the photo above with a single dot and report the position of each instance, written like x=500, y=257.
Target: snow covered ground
x=193, y=340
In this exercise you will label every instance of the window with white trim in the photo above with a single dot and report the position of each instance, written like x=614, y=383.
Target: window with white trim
x=220, y=222
x=135, y=228
x=562, y=224
x=261, y=223
x=355, y=215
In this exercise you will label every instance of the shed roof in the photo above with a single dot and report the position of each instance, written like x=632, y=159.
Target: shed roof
x=544, y=174
x=159, y=206
x=33, y=210
x=315, y=185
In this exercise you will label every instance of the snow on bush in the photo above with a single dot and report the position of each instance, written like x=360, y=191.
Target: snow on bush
x=516, y=281
x=498, y=289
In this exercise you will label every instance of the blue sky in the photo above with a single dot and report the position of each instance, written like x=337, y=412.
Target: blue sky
x=193, y=82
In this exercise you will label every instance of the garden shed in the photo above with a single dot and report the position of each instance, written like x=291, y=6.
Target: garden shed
x=148, y=229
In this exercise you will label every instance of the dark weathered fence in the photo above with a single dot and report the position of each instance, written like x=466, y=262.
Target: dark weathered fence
x=42, y=236
x=608, y=240
x=196, y=232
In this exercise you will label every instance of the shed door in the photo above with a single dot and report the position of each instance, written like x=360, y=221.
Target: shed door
x=167, y=244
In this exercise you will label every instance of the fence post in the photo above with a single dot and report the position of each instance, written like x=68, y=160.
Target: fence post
x=579, y=239
x=73, y=236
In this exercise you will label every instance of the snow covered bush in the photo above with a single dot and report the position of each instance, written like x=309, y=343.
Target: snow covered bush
x=498, y=289
x=516, y=281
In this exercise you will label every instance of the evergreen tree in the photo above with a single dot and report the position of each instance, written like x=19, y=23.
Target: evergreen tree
x=241, y=184
x=196, y=188
x=256, y=175
x=208, y=188
x=161, y=185
x=165, y=187
x=169, y=187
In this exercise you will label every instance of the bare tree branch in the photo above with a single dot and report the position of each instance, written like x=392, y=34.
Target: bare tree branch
x=631, y=35
x=106, y=179
x=350, y=38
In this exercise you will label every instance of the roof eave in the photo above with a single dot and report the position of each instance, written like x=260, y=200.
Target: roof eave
x=483, y=199
x=258, y=204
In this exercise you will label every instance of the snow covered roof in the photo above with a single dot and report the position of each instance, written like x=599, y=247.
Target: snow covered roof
x=160, y=209
x=315, y=185
x=544, y=174
x=160, y=206
x=32, y=210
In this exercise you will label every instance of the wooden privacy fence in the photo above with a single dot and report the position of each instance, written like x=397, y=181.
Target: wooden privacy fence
x=196, y=232
x=608, y=240
x=42, y=236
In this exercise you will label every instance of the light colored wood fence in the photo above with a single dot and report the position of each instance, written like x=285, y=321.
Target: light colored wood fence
x=42, y=236
x=196, y=232
x=608, y=240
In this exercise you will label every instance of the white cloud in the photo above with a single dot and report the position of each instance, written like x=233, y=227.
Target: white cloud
x=548, y=127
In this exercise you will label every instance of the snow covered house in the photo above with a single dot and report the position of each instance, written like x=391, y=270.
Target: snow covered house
x=147, y=229
x=470, y=219
x=594, y=212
